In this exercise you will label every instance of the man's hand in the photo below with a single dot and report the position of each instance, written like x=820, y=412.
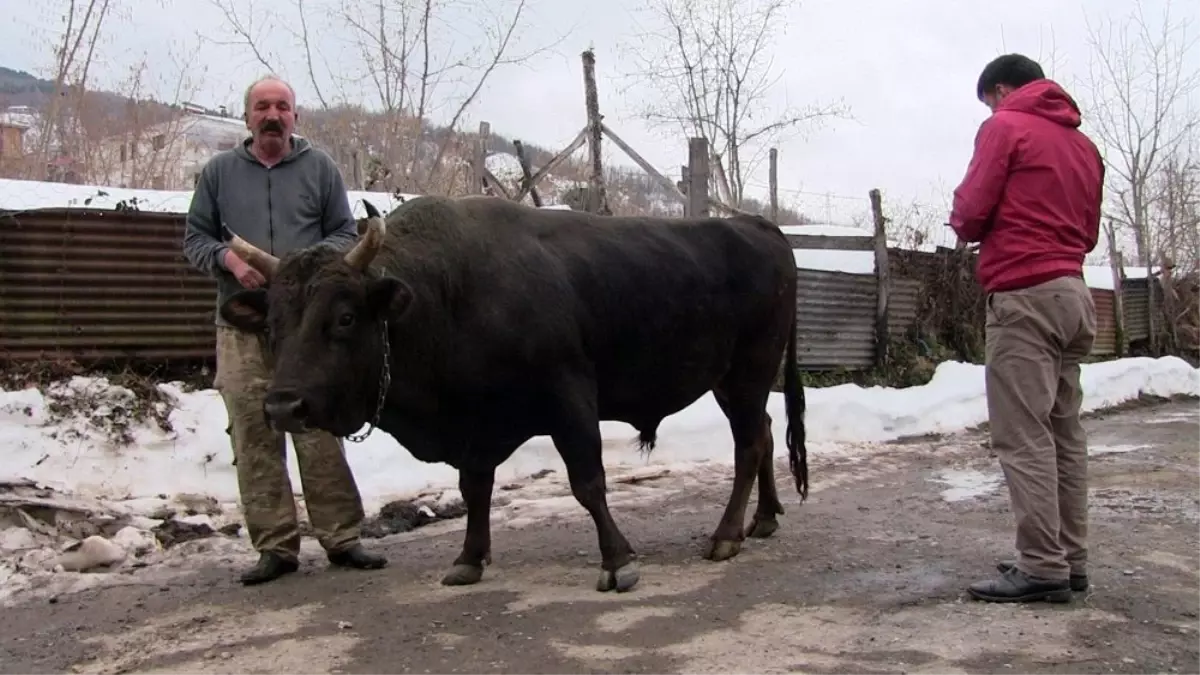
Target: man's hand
x=246, y=275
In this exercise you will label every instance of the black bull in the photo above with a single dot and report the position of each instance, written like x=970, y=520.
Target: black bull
x=487, y=323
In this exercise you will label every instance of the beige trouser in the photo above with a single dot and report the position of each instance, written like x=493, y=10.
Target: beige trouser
x=1036, y=338
x=334, y=506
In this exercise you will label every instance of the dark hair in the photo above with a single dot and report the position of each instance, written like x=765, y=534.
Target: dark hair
x=1013, y=70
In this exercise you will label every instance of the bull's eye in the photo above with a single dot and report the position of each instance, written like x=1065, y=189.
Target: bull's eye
x=346, y=320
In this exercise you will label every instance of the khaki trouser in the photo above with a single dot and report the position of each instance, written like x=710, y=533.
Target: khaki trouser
x=334, y=506
x=1036, y=338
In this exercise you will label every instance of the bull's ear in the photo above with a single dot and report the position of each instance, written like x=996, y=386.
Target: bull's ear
x=389, y=296
x=247, y=310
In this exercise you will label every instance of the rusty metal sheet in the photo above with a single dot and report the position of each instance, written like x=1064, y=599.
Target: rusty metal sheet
x=97, y=285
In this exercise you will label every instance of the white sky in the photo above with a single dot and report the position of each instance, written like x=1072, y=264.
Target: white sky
x=907, y=69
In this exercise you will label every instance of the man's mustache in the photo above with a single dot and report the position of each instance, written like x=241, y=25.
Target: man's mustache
x=271, y=125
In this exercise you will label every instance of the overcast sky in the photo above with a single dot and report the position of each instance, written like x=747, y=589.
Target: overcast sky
x=907, y=70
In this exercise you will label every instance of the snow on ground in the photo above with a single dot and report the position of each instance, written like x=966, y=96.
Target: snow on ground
x=131, y=505
x=195, y=457
x=29, y=195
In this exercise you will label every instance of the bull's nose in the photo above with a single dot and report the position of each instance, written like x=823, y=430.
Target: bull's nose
x=284, y=407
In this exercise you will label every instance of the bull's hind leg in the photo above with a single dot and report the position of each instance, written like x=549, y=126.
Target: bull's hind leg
x=764, y=523
x=577, y=438
x=476, y=489
x=751, y=440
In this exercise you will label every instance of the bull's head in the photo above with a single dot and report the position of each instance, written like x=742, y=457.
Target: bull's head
x=325, y=318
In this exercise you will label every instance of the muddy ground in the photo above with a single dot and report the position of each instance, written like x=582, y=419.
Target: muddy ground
x=868, y=576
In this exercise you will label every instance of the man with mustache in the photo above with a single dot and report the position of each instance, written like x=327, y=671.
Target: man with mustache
x=280, y=193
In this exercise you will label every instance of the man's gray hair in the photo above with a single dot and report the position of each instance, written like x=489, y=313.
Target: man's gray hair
x=264, y=78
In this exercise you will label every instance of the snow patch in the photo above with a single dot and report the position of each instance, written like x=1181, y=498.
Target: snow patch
x=504, y=166
x=1114, y=449
x=1169, y=418
x=967, y=484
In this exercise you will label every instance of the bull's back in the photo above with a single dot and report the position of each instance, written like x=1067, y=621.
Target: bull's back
x=664, y=307
x=655, y=307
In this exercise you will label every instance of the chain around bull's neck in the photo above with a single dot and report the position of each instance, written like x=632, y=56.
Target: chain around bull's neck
x=385, y=382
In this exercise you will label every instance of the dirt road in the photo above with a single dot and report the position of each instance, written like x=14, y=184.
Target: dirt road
x=866, y=577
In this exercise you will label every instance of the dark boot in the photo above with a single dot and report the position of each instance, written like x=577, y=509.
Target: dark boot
x=1078, y=582
x=1016, y=586
x=357, y=557
x=270, y=566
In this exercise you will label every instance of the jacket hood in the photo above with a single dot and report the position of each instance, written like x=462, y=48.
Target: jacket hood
x=300, y=145
x=1044, y=98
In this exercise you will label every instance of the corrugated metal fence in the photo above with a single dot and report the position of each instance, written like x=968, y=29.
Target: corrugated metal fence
x=837, y=317
x=100, y=284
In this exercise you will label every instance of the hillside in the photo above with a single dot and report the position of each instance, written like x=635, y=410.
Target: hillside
x=630, y=191
x=19, y=88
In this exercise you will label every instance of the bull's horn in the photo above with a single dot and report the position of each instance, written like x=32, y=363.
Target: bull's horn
x=370, y=242
x=254, y=256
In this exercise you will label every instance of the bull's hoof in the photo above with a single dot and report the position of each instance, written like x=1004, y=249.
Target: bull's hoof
x=621, y=580
x=463, y=575
x=761, y=529
x=723, y=549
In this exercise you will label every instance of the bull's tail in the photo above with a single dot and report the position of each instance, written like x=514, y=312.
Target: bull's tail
x=793, y=398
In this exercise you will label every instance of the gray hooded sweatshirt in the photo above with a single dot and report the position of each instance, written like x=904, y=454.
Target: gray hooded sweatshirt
x=299, y=202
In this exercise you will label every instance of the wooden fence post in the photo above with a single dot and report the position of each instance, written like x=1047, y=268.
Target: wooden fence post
x=356, y=175
x=597, y=195
x=882, y=279
x=1116, y=264
x=1151, y=305
x=480, y=164
x=697, y=192
x=774, y=185
x=526, y=175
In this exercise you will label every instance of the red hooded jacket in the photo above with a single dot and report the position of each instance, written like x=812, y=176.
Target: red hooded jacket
x=1032, y=191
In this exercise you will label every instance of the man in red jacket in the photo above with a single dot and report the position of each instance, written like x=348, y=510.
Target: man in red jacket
x=1031, y=198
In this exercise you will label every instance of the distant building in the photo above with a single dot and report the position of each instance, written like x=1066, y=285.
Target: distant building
x=15, y=123
x=170, y=155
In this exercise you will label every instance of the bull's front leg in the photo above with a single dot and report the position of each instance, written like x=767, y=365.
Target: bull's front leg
x=476, y=489
x=577, y=438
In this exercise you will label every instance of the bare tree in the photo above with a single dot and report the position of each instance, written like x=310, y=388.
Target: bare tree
x=74, y=51
x=145, y=142
x=407, y=65
x=1174, y=214
x=92, y=119
x=708, y=65
x=1143, y=112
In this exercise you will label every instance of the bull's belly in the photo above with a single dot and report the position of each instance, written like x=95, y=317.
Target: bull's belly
x=640, y=397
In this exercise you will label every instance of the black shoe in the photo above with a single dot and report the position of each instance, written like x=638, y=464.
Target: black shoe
x=270, y=566
x=1016, y=586
x=357, y=557
x=1078, y=582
